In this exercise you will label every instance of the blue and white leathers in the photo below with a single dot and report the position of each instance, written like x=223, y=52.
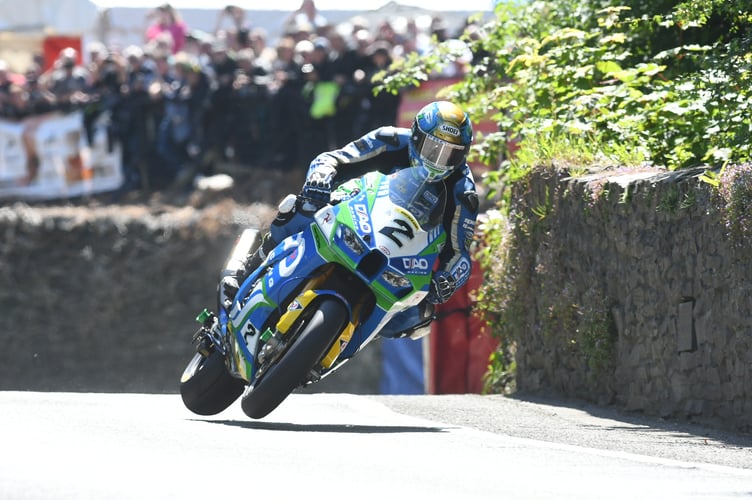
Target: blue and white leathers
x=386, y=149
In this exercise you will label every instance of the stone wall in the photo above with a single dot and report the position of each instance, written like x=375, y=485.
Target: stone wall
x=631, y=292
x=105, y=298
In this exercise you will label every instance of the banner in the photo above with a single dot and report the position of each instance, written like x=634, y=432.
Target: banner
x=48, y=157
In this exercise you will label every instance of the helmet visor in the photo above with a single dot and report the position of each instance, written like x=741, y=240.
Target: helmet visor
x=439, y=153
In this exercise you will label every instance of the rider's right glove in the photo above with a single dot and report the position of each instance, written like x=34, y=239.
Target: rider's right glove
x=443, y=286
x=318, y=184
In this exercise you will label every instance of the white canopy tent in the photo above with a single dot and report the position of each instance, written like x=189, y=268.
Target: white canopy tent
x=123, y=22
x=65, y=17
x=26, y=24
x=321, y=5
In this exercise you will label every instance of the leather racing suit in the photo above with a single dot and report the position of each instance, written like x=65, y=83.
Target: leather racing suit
x=386, y=149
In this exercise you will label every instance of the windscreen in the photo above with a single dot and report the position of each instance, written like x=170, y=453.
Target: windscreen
x=408, y=189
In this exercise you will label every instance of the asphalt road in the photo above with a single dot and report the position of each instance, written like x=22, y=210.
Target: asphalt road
x=577, y=423
x=134, y=446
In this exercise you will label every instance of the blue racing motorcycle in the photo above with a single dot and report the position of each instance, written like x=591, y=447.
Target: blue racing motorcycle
x=320, y=296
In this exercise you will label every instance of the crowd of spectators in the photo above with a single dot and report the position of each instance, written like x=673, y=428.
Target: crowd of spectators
x=185, y=99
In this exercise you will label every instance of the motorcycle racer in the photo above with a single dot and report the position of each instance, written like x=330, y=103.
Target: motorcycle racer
x=437, y=144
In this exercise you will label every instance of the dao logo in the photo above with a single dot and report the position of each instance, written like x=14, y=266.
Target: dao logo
x=361, y=213
x=411, y=263
x=450, y=130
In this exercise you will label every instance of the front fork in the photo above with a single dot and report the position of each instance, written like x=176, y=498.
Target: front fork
x=208, y=337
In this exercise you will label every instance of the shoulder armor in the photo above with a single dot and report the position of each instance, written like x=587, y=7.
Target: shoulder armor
x=388, y=135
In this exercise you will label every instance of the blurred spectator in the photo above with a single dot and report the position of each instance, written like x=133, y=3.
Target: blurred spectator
x=68, y=81
x=40, y=99
x=264, y=53
x=161, y=63
x=221, y=112
x=97, y=53
x=5, y=83
x=287, y=108
x=104, y=97
x=320, y=93
x=180, y=139
x=248, y=122
x=348, y=68
x=16, y=104
x=228, y=96
x=237, y=36
x=381, y=109
x=439, y=29
x=386, y=33
x=133, y=118
x=306, y=19
x=167, y=21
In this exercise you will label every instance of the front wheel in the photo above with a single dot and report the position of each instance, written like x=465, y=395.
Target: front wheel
x=207, y=387
x=324, y=327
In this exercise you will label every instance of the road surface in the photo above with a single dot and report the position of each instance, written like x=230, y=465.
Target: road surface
x=135, y=446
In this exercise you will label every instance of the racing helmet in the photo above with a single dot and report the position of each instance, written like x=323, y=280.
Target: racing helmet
x=440, y=139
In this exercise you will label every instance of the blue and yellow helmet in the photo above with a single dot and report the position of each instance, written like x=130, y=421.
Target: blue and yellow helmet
x=440, y=139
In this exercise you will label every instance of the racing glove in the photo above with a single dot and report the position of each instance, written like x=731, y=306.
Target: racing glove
x=228, y=288
x=318, y=184
x=443, y=286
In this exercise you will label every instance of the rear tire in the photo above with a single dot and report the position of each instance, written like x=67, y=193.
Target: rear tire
x=291, y=369
x=207, y=387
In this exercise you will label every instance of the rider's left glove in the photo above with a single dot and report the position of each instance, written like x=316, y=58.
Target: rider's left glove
x=318, y=184
x=443, y=286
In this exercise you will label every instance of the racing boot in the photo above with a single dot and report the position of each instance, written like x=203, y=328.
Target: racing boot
x=230, y=283
x=414, y=322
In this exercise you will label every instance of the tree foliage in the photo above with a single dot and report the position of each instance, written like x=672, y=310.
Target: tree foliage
x=665, y=82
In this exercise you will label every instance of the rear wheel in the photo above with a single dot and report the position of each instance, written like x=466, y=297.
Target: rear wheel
x=207, y=387
x=314, y=341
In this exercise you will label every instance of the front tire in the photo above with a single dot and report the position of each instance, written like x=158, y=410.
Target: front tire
x=314, y=341
x=207, y=387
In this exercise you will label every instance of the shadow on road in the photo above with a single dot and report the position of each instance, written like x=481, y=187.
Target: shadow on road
x=639, y=422
x=335, y=428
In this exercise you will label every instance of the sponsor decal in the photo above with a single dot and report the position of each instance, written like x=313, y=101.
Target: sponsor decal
x=407, y=215
x=385, y=251
x=294, y=305
x=462, y=271
x=361, y=216
x=413, y=263
x=430, y=197
x=468, y=239
x=449, y=129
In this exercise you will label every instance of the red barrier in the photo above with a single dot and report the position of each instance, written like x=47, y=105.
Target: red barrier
x=52, y=45
x=460, y=344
